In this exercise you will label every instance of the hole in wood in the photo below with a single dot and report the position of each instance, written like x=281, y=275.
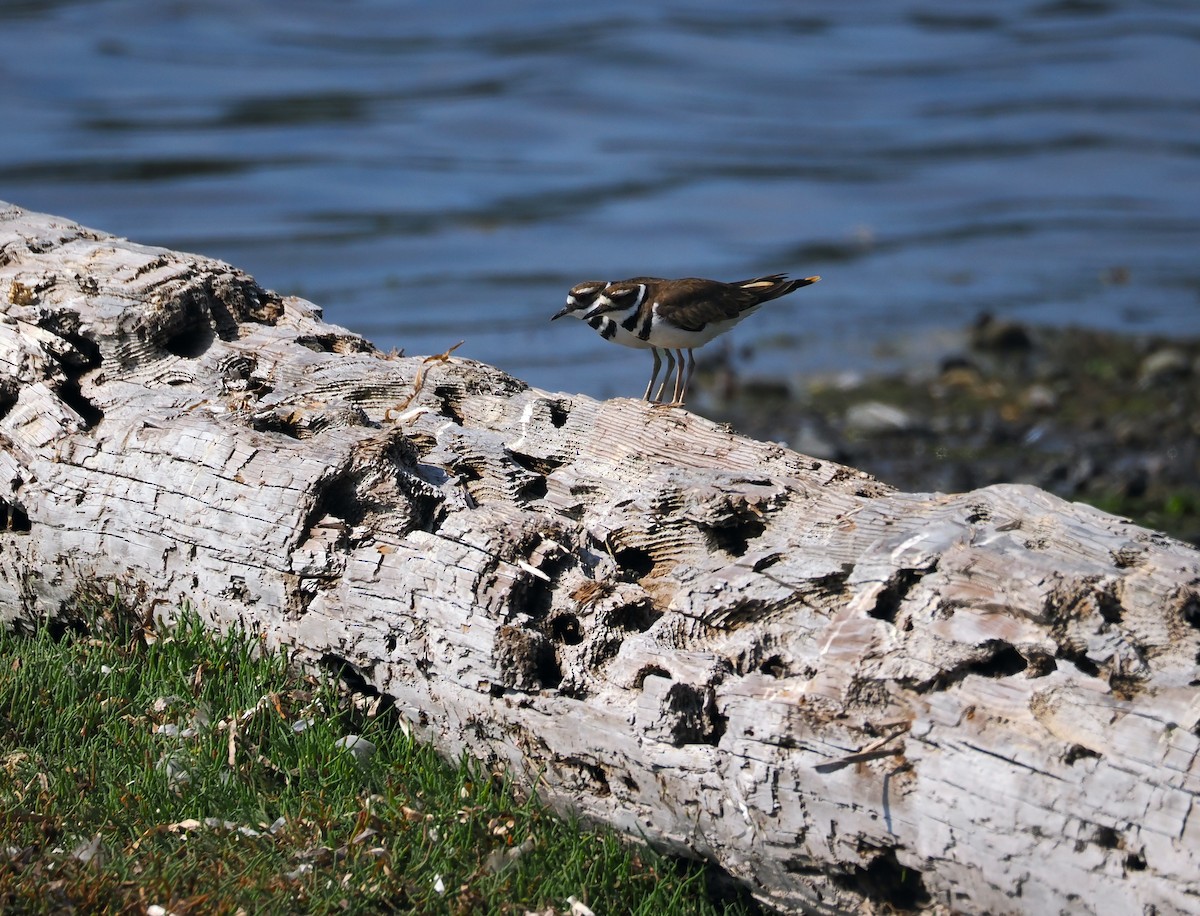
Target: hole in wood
x=1128, y=557
x=14, y=518
x=651, y=671
x=241, y=299
x=892, y=595
x=333, y=343
x=832, y=584
x=61, y=628
x=66, y=324
x=532, y=595
x=767, y=562
x=425, y=501
x=1040, y=664
x=1125, y=686
x=637, y=615
x=448, y=397
x=191, y=342
x=1001, y=661
x=1135, y=862
x=547, y=669
x=774, y=666
x=9, y=392
x=1108, y=838
x=236, y=370
x=888, y=883
x=345, y=671
x=467, y=471
x=1005, y=661
x=1079, y=752
x=590, y=773
x=534, y=464
x=635, y=561
x=558, y=414
x=319, y=343
x=339, y=498
x=1109, y=606
x=734, y=538
x=275, y=422
x=977, y=514
x=533, y=488
x=717, y=724
x=1189, y=610
x=526, y=659
x=1079, y=659
x=565, y=628
x=692, y=714
x=71, y=395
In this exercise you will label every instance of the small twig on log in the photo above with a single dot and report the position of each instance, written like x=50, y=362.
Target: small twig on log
x=872, y=751
x=392, y=413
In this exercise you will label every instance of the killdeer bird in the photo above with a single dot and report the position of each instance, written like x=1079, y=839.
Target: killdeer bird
x=650, y=313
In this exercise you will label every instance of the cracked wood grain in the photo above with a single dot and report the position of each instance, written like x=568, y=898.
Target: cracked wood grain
x=850, y=698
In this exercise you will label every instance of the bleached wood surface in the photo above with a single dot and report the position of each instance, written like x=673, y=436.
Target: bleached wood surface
x=847, y=696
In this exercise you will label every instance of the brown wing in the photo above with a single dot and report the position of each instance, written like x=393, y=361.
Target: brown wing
x=693, y=303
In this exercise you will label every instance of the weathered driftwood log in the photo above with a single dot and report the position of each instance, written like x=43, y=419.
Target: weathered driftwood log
x=844, y=695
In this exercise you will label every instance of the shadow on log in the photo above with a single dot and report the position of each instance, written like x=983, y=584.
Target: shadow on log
x=847, y=697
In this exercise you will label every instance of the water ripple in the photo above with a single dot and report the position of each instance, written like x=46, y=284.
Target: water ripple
x=429, y=175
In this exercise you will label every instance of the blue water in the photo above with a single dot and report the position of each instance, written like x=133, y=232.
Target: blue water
x=436, y=172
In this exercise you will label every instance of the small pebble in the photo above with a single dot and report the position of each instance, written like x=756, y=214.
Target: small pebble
x=876, y=417
x=1040, y=397
x=810, y=439
x=360, y=747
x=1165, y=365
x=999, y=335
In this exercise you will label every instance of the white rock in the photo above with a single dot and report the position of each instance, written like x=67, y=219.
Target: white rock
x=360, y=747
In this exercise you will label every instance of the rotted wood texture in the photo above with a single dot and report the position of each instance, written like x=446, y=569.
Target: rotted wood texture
x=848, y=697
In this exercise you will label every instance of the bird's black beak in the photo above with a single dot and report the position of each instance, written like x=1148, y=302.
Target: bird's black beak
x=565, y=311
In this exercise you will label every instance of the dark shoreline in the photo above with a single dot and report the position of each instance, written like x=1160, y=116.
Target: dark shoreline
x=1108, y=419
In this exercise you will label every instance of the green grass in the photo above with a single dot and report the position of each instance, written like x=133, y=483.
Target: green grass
x=205, y=773
x=1172, y=511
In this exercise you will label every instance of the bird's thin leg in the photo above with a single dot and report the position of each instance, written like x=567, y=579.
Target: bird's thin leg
x=654, y=374
x=691, y=367
x=679, y=379
x=670, y=366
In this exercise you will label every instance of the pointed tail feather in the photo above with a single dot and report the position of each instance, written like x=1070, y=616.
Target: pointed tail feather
x=773, y=286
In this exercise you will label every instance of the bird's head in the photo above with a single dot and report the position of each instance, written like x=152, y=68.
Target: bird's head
x=620, y=296
x=580, y=298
